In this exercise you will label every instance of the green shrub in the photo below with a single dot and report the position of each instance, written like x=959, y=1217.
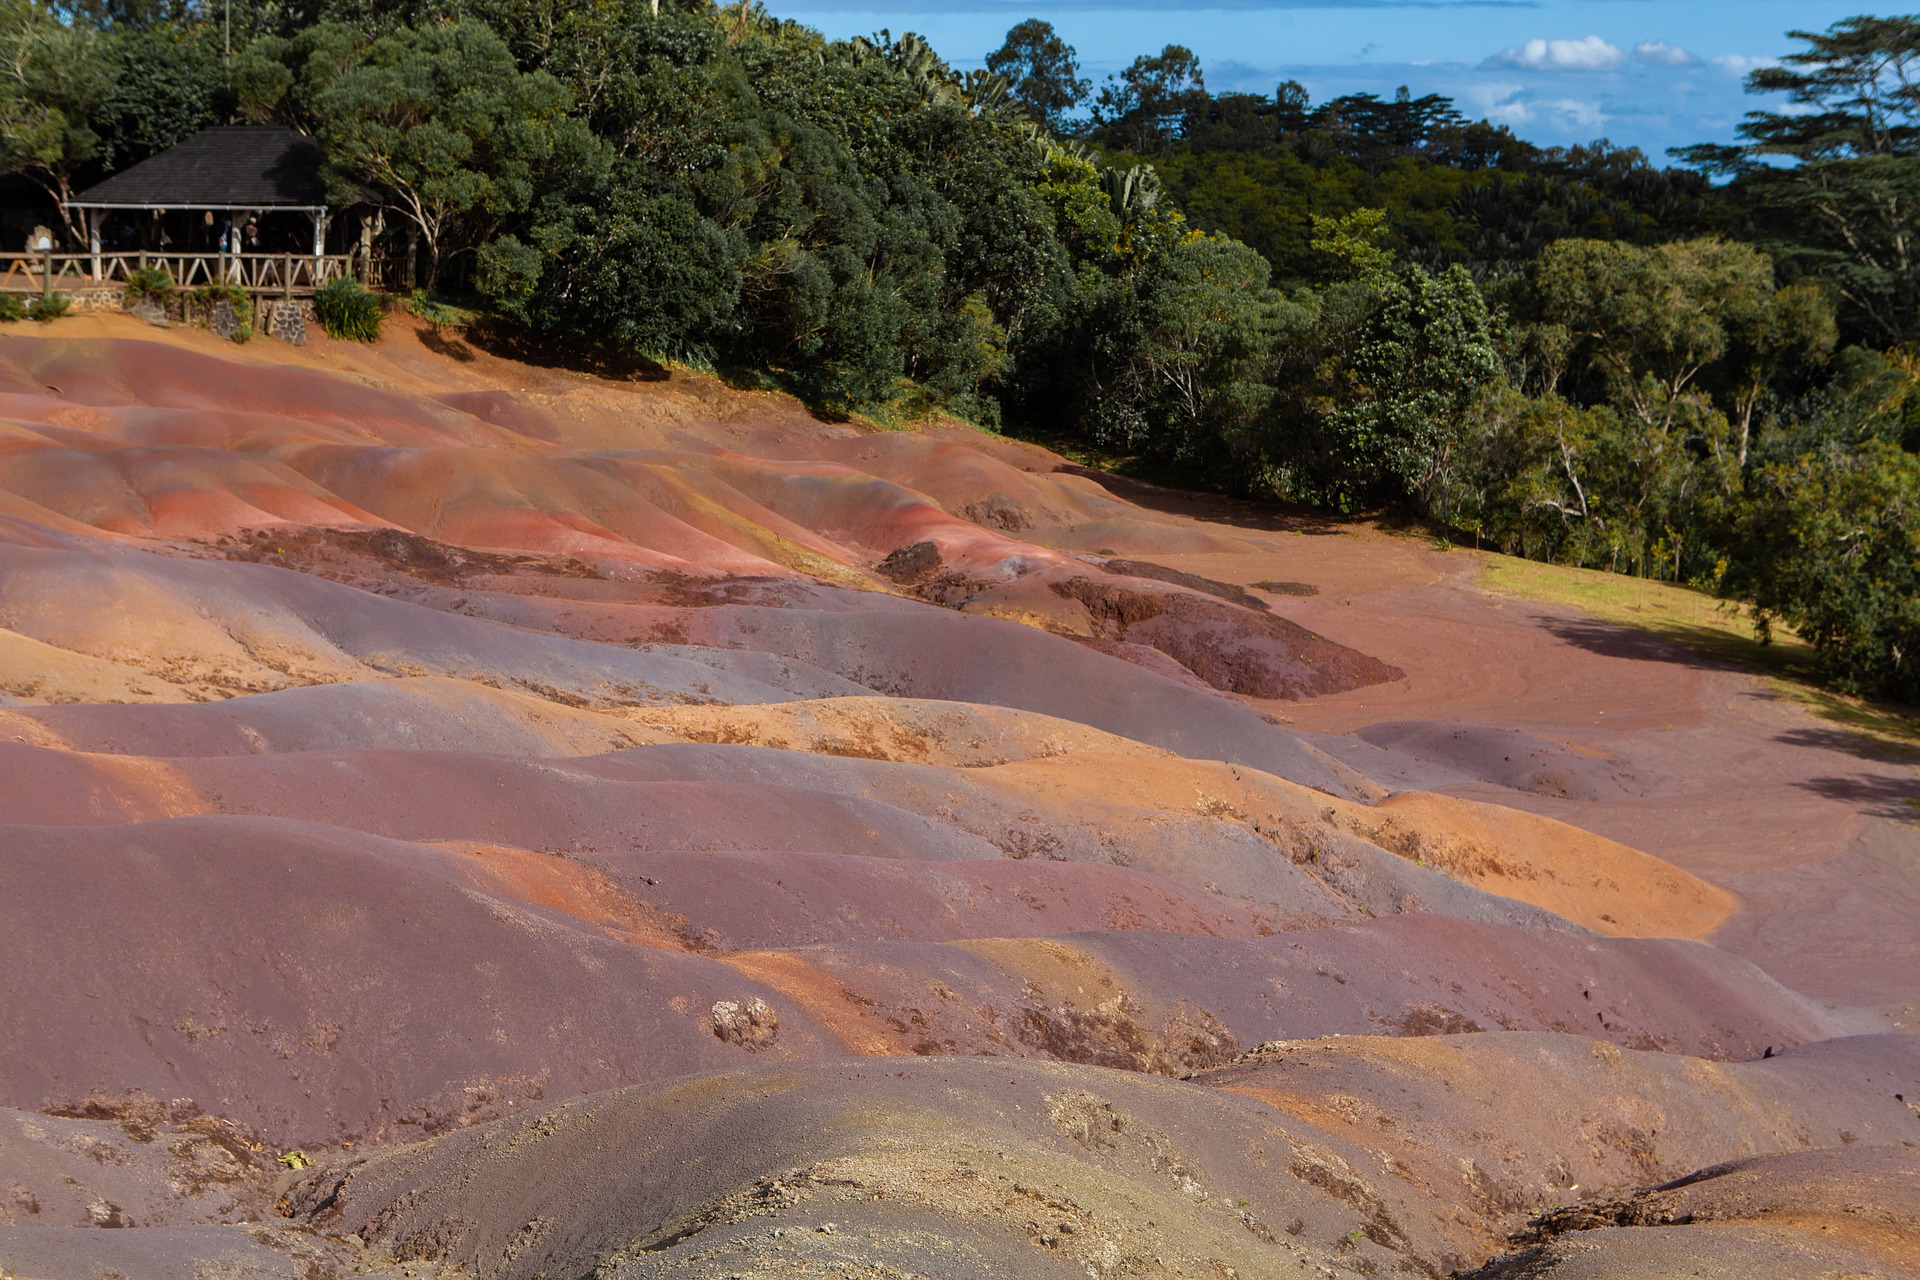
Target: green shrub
x=154, y=284
x=50, y=307
x=347, y=310
x=10, y=308
x=208, y=294
x=437, y=314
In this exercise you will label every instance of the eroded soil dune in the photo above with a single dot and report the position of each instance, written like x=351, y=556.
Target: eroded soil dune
x=637, y=829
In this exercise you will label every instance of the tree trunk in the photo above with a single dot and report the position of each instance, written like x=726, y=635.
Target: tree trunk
x=408, y=267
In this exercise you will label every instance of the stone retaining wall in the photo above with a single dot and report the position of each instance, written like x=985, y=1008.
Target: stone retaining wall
x=183, y=308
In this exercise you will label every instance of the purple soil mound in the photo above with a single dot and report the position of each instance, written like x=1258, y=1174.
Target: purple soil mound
x=1425, y=754
x=1228, y=646
x=424, y=714
x=785, y=1170
x=1149, y=1002
x=1192, y=581
x=319, y=985
x=1847, y=1211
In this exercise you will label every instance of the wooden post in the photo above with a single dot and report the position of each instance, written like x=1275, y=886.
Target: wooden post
x=93, y=240
x=46, y=266
x=286, y=278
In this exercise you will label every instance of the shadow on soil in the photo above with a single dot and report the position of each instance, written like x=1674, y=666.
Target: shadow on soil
x=1214, y=508
x=1853, y=742
x=1877, y=731
x=1700, y=647
x=1871, y=731
x=1877, y=795
x=446, y=344
x=501, y=340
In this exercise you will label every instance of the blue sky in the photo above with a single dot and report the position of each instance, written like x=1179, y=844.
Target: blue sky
x=1641, y=72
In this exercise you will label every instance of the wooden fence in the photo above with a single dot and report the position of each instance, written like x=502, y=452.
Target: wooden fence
x=293, y=275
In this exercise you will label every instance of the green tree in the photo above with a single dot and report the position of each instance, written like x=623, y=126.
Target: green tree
x=1830, y=542
x=1145, y=108
x=1420, y=362
x=53, y=77
x=1657, y=333
x=1646, y=323
x=638, y=274
x=1375, y=130
x=1791, y=330
x=164, y=84
x=439, y=123
x=1043, y=72
x=1204, y=325
x=1373, y=397
x=1832, y=183
x=1353, y=246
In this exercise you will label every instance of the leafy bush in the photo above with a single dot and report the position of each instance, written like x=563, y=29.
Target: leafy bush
x=50, y=307
x=152, y=284
x=1830, y=542
x=10, y=308
x=208, y=294
x=437, y=314
x=347, y=310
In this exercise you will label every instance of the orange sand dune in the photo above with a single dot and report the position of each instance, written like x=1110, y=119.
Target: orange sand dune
x=1573, y=873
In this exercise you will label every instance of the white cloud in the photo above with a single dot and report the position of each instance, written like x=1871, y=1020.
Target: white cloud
x=1501, y=103
x=1574, y=113
x=1740, y=63
x=1516, y=106
x=1590, y=53
x=1661, y=54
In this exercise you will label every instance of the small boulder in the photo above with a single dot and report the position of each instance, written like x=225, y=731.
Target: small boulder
x=910, y=563
x=752, y=1024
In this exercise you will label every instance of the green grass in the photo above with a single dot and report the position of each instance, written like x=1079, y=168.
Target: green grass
x=1709, y=625
x=1704, y=623
x=1888, y=729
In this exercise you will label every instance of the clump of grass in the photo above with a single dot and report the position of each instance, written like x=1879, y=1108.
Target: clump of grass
x=150, y=284
x=208, y=295
x=347, y=310
x=439, y=313
x=1685, y=615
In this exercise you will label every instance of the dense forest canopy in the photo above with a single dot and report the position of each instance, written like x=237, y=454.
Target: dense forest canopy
x=1704, y=372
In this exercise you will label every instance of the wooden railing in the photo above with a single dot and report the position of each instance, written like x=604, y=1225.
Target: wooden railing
x=291, y=274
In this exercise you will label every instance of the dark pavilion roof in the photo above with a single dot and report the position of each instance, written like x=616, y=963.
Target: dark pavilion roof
x=251, y=166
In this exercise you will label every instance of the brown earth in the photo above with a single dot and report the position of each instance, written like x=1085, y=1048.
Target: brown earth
x=726, y=843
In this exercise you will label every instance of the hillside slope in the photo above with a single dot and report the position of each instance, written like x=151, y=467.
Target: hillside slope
x=639, y=829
